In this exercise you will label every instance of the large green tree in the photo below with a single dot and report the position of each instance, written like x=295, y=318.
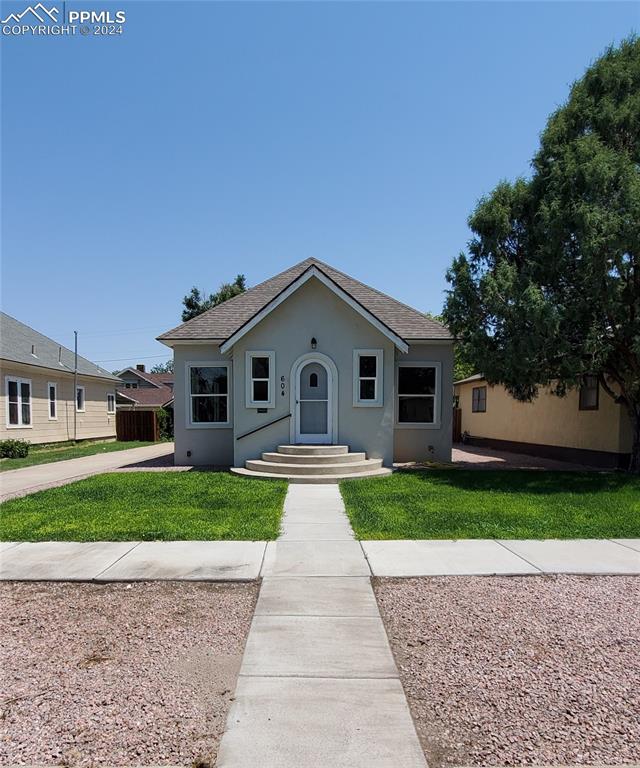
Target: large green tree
x=549, y=290
x=195, y=303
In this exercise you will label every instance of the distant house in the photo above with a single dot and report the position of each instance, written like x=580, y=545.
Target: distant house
x=38, y=397
x=586, y=426
x=138, y=390
x=288, y=377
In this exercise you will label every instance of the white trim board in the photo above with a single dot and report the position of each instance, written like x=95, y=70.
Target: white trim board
x=313, y=271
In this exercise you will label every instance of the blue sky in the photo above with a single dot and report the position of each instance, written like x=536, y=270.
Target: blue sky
x=217, y=138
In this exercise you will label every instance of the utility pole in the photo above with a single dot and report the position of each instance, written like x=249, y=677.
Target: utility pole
x=75, y=386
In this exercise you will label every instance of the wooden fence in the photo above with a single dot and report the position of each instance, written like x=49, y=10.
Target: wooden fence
x=137, y=425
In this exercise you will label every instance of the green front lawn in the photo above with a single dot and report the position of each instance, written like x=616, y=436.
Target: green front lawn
x=49, y=453
x=130, y=506
x=475, y=504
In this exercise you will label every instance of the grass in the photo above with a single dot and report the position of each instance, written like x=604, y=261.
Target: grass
x=48, y=453
x=468, y=504
x=131, y=506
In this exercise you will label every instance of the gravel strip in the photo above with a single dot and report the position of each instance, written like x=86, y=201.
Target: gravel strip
x=519, y=670
x=119, y=674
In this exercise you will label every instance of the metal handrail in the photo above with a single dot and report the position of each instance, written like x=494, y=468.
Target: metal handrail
x=263, y=426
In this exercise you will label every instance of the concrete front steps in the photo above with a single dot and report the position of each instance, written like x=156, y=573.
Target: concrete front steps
x=313, y=464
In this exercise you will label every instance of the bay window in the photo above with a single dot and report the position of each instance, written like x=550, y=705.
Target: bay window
x=208, y=388
x=260, y=379
x=367, y=377
x=418, y=395
x=18, y=401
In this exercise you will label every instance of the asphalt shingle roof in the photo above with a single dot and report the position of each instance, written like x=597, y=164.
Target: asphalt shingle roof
x=17, y=340
x=225, y=319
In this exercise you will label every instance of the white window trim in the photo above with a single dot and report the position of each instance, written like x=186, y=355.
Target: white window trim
x=271, y=381
x=84, y=399
x=378, y=399
x=113, y=395
x=55, y=389
x=19, y=381
x=207, y=364
x=437, y=410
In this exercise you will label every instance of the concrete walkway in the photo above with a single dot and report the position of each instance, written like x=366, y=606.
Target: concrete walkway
x=321, y=542
x=318, y=684
x=21, y=482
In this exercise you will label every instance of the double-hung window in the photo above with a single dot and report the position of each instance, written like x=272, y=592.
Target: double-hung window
x=260, y=375
x=208, y=388
x=589, y=394
x=367, y=377
x=418, y=395
x=479, y=400
x=18, y=401
x=111, y=402
x=52, y=395
x=80, y=402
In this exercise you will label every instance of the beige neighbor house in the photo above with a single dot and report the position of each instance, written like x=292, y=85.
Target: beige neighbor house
x=38, y=398
x=586, y=426
x=311, y=374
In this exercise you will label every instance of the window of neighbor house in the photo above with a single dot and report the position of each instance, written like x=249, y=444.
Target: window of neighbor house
x=52, y=390
x=367, y=377
x=208, y=394
x=418, y=394
x=479, y=400
x=589, y=394
x=111, y=403
x=80, y=399
x=18, y=402
x=260, y=371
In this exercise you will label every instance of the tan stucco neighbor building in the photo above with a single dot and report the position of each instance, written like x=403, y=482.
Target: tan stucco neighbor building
x=311, y=357
x=39, y=403
x=586, y=426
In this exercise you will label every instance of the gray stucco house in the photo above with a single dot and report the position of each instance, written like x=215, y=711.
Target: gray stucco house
x=311, y=374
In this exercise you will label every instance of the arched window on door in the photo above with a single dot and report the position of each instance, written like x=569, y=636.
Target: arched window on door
x=313, y=380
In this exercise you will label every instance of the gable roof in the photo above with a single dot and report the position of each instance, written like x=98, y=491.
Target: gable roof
x=222, y=322
x=151, y=396
x=155, y=379
x=17, y=340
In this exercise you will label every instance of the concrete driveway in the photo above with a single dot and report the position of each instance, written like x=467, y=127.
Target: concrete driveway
x=21, y=482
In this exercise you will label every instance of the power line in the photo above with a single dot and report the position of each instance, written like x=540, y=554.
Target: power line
x=137, y=357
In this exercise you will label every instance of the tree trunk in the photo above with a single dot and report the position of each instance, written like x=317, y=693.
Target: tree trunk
x=634, y=415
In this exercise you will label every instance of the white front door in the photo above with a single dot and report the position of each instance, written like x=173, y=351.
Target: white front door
x=313, y=415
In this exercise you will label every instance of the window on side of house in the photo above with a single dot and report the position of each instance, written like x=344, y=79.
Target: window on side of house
x=80, y=403
x=208, y=387
x=18, y=401
x=589, y=394
x=260, y=373
x=479, y=400
x=52, y=395
x=111, y=402
x=418, y=394
x=367, y=377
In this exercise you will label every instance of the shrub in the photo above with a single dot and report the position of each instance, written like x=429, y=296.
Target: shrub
x=14, y=449
x=165, y=423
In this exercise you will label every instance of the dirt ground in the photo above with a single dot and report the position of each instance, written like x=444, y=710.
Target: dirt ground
x=118, y=674
x=519, y=670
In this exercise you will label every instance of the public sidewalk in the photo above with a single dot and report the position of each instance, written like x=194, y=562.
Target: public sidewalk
x=21, y=482
x=318, y=685
x=319, y=540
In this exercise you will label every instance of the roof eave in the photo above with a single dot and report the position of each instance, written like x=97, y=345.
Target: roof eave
x=283, y=295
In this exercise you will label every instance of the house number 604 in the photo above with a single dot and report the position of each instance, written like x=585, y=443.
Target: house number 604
x=283, y=385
